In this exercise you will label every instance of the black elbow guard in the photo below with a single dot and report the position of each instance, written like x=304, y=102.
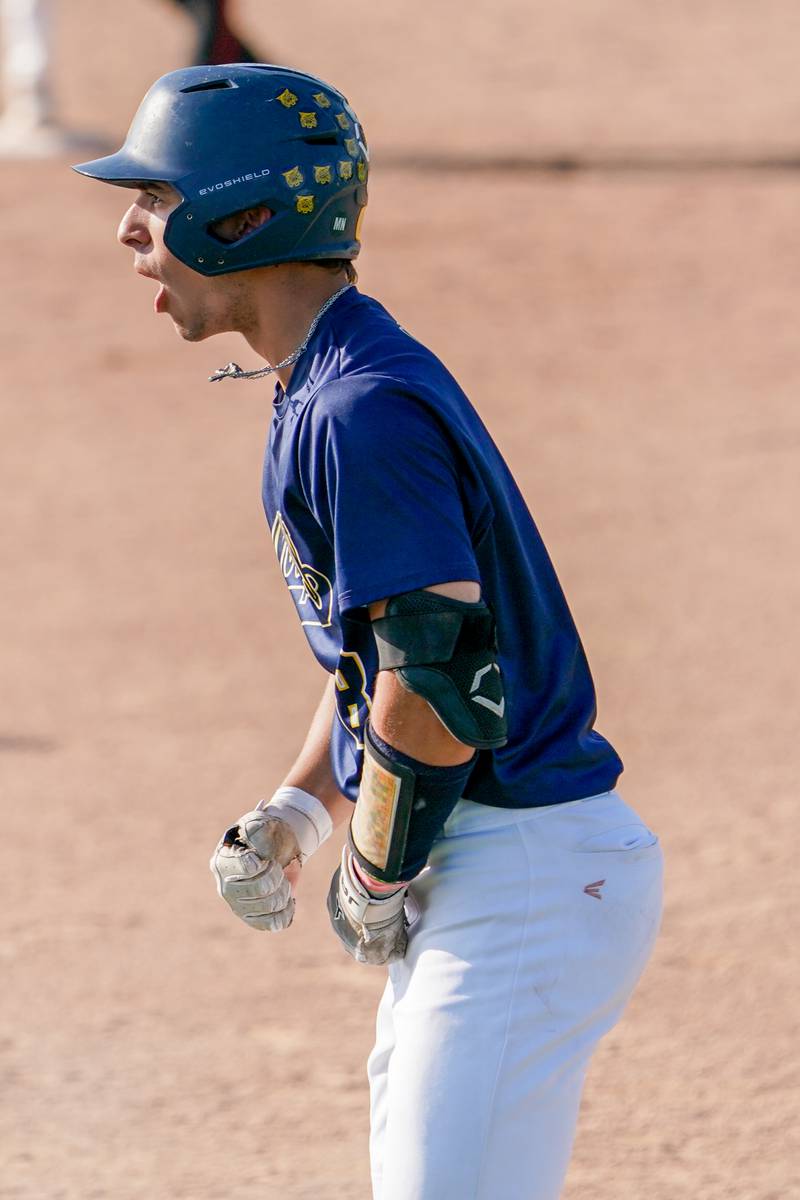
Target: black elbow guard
x=446, y=651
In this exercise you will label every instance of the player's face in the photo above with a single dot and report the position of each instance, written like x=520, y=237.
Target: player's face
x=199, y=306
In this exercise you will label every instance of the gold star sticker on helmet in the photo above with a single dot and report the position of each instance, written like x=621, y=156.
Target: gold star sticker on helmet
x=345, y=169
x=287, y=98
x=322, y=175
x=294, y=177
x=321, y=99
x=305, y=204
x=308, y=120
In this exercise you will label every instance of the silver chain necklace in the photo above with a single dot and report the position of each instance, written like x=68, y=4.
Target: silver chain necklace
x=233, y=371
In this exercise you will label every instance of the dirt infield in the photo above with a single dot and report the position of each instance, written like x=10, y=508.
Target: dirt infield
x=632, y=342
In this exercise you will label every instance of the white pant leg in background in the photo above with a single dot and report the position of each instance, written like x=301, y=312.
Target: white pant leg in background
x=26, y=31
x=513, y=973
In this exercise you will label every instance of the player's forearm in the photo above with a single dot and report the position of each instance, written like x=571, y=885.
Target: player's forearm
x=311, y=770
x=408, y=723
x=409, y=751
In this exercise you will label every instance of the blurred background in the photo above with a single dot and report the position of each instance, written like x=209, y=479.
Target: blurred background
x=590, y=211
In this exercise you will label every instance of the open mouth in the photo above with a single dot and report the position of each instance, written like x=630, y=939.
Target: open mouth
x=160, y=300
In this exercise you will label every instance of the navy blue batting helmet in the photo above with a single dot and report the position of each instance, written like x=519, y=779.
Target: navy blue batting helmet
x=239, y=136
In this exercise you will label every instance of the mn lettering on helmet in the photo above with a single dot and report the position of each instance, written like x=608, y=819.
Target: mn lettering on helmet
x=303, y=148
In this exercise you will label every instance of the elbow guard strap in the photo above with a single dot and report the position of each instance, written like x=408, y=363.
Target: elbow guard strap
x=446, y=651
x=401, y=808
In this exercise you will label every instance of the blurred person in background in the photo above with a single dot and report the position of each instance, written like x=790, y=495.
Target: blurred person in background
x=215, y=40
x=29, y=127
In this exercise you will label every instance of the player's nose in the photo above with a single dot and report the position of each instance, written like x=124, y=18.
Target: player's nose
x=132, y=231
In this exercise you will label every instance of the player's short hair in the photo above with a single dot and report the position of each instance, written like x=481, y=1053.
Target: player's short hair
x=335, y=265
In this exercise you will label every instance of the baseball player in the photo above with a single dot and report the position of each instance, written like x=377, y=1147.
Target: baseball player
x=215, y=41
x=489, y=863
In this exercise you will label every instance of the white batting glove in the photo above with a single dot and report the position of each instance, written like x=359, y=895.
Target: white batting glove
x=248, y=863
x=372, y=929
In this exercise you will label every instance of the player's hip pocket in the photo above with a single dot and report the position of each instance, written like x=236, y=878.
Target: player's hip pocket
x=619, y=839
x=608, y=855
x=599, y=825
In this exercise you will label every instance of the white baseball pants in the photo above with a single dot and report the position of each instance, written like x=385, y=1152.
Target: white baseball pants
x=26, y=28
x=534, y=927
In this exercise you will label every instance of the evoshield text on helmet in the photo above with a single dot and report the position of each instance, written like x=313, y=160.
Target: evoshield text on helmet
x=238, y=136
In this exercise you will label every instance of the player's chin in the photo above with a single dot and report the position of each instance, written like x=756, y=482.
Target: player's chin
x=191, y=333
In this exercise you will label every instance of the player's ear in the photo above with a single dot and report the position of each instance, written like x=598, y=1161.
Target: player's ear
x=239, y=224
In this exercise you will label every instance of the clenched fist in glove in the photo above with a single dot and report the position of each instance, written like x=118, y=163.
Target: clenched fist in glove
x=250, y=860
x=372, y=928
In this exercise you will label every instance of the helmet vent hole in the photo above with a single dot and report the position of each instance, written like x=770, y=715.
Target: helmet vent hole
x=322, y=139
x=212, y=85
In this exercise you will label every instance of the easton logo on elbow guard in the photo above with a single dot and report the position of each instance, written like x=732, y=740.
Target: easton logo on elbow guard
x=498, y=707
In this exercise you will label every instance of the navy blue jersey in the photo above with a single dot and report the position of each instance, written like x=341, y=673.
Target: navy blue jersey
x=380, y=478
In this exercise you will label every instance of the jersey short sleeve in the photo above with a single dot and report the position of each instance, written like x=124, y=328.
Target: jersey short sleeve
x=382, y=479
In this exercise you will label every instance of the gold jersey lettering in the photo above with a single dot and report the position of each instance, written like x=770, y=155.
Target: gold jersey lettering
x=312, y=590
